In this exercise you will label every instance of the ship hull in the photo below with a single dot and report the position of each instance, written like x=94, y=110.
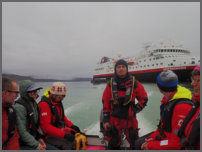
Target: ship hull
x=183, y=73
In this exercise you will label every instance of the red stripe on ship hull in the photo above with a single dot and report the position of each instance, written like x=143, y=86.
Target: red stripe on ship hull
x=150, y=71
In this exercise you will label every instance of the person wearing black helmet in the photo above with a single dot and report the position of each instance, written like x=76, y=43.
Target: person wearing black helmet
x=119, y=106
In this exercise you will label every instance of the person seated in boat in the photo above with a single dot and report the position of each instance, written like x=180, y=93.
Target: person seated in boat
x=27, y=112
x=58, y=130
x=190, y=131
x=175, y=105
x=10, y=134
x=119, y=107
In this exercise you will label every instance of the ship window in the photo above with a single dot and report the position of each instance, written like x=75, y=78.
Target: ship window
x=157, y=64
x=153, y=58
x=174, y=60
x=147, y=65
x=141, y=66
x=193, y=62
x=144, y=60
x=161, y=63
x=152, y=64
x=161, y=50
x=171, y=64
x=140, y=61
x=144, y=65
x=150, y=59
x=184, y=62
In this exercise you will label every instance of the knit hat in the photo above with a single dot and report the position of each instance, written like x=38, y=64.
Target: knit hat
x=120, y=62
x=197, y=68
x=58, y=88
x=167, y=81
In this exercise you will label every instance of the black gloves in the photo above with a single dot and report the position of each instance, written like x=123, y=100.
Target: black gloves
x=75, y=128
x=137, y=108
x=69, y=137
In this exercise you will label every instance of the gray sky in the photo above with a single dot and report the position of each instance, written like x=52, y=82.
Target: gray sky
x=66, y=39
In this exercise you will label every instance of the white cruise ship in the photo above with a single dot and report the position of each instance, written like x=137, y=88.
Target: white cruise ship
x=152, y=60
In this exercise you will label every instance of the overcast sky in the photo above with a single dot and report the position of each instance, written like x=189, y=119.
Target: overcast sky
x=66, y=39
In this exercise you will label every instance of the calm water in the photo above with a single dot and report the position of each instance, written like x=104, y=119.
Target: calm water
x=83, y=104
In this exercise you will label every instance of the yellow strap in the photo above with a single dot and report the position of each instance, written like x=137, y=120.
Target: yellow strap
x=116, y=102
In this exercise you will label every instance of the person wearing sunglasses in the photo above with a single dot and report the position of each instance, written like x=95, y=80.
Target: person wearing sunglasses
x=59, y=131
x=9, y=129
x=27, y=111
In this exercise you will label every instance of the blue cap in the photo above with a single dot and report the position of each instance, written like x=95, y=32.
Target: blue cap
x=33, y=87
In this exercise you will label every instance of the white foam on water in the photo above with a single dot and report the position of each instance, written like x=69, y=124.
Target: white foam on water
x=93, y=129
x=149, y=93
x=74, y=107
x=145, y=127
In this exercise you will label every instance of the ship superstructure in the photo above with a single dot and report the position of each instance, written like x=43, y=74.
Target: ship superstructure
x=152, y=60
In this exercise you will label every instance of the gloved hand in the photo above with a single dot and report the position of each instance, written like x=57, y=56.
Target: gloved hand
x=137, y=108
x=75, y=128
x=69, y=137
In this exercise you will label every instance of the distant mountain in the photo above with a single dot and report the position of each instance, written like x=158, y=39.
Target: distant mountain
x=19, y=78
x=81, y=79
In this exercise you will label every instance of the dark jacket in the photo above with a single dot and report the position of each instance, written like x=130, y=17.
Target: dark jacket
x=13, y=143
x=22, y=119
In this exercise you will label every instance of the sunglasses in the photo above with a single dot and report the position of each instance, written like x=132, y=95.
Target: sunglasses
x=16, y=92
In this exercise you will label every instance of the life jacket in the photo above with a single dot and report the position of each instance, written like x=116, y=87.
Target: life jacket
x=182, y=95
x=194, y=135
x=121, y=105
x=128, y=95
x=54, y=112
x=80, y=141
x=31, y=125
x=11, y=124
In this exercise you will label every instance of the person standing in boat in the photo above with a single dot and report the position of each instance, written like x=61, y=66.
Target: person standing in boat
x=10, y=134
x=31, y=138
x=175, y=106
x=59, y=131
x=119, y=107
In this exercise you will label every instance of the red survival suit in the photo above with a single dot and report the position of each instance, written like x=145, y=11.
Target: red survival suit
x=47, y=120
x=192, y=130
x=120, y=109
x=13, y=143
x=165, y=137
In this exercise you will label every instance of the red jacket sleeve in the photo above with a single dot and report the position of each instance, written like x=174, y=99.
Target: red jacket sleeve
x=106, y=103
x=172, y=141
x=141, y=95
x=68, y=123
x=13, y=143
x=45, y=122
